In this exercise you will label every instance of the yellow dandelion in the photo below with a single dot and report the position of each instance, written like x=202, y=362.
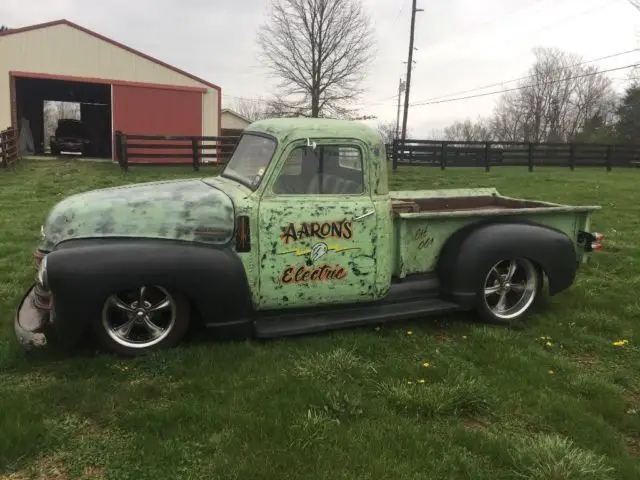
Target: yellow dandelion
x=549, y=344
x=620, y=343
x=426, y=364
x=551, y=372
x=464, y=337
x=409, y=332
x=421, y=380
x=377, y=329
x=410, y=382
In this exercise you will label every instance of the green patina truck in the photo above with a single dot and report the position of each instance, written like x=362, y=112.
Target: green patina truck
x=299, y=233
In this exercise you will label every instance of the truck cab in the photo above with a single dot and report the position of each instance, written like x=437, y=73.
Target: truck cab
x=318, y=210
x=298, y=233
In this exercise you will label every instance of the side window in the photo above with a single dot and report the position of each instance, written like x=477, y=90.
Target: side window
x=327, y=170
x=350, y=158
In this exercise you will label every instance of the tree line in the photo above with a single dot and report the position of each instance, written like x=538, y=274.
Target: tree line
x=560, y=100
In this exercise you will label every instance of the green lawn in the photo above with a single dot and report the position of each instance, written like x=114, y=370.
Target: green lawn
x=492, y=403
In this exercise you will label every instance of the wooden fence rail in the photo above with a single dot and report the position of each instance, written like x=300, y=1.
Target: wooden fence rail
x=172, y=149
x=9, y=148
x=443, y=154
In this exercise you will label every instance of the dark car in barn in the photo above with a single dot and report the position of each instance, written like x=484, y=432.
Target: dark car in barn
x=70, y=136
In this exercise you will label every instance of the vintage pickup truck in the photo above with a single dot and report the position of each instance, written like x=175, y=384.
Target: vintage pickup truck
x=299, y=233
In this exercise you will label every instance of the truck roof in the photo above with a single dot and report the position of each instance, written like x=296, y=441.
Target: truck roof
x=294, y=128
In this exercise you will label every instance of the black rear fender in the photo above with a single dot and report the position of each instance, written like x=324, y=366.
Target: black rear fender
x=469, y=252
x=81, y=275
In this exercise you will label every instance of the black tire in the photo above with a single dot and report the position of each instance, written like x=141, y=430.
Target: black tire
x=106, y=329
x=527, y=276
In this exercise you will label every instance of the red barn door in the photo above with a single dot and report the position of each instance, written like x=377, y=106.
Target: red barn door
x=143, y=110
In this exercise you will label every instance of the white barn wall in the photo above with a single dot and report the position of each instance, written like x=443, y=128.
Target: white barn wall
x=64, y=50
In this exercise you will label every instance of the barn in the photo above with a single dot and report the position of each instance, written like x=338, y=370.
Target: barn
x=116, y=87
x=233, y=124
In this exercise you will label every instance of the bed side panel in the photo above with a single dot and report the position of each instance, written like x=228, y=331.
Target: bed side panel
x=421, y=239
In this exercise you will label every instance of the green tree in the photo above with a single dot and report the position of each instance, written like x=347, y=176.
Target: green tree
x=628, y=126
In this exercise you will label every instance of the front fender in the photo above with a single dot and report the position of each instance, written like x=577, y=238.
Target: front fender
x=81, y=275
x=469, y=252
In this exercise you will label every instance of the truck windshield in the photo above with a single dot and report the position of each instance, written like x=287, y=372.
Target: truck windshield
x=250, y=160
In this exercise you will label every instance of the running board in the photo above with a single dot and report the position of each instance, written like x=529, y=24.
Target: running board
x=348, y=317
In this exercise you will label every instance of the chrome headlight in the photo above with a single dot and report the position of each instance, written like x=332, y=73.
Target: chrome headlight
x=42, y=273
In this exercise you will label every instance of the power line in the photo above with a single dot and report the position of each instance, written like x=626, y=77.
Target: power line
x=497, y=84
x=524, y=87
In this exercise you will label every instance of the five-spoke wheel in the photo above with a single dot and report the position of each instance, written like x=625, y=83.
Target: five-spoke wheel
x=509, y=290
x=147, y=318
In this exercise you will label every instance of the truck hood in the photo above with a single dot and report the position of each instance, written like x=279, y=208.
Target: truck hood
x=188, y=210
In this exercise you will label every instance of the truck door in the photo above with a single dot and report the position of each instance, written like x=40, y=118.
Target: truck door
x=317, y=227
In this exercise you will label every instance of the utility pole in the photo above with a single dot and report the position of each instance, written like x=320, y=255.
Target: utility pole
x=414, y=10
x=400, y=87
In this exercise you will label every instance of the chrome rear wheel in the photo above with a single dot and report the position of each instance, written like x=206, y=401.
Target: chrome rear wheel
x=510, y=288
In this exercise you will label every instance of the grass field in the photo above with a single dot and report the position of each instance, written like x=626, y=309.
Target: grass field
x=442, y=398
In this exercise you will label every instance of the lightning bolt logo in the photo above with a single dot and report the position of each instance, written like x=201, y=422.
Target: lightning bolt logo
x=300, y=252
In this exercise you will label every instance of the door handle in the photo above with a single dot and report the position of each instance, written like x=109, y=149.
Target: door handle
x=364, y=215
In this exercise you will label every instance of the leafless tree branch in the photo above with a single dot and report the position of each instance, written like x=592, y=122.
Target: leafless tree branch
x=320, y=51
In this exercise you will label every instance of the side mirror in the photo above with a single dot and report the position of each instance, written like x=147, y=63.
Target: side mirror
x=311, y=144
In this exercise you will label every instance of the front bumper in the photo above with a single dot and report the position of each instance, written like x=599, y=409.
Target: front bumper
x=30, y=321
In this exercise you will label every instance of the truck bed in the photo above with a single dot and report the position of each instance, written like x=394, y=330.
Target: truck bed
x=424, y=220
x=469, y=202
x=444, y=204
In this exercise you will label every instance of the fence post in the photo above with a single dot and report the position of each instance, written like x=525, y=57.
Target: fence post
x=121, y=141
x=530, y=156
x=4, y=162
x=395, y=155
x=196, y=154
x=572, y=157
x=609, y=157
x=443, y=155
x=487, y=156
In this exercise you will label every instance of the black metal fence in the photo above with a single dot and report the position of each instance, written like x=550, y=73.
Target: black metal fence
x=443, y=154
x=172, y=150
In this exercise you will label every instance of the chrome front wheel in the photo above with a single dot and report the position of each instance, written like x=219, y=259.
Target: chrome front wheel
x=510, y=289
x=135, y=321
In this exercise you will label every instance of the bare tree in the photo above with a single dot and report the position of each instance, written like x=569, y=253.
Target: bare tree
x=387, y=130
x=555, y=101
x=468, y=131
x=251, y=109
x=320, y=51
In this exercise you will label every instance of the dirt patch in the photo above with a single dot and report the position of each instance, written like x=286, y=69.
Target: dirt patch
x=474, y=424
x=587, y=361
x=45, y=469
x=633, y=398
x=95, y=472
x=633, y=446
x=50, y=469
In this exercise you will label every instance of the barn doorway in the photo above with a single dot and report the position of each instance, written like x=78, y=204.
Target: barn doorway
x=63, y=117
